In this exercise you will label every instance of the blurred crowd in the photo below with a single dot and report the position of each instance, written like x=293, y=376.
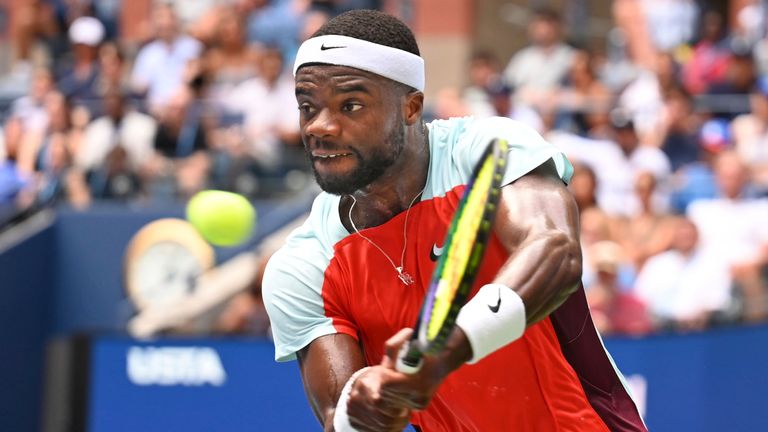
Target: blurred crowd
x=204, y=99
x=669, y=142
x=670, y=155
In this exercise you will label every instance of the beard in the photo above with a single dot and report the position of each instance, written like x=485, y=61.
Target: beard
x=369, y=167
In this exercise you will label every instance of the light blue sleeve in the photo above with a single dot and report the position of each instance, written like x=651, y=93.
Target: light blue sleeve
x=292, y=297
x=294, y=277
x=527, y=149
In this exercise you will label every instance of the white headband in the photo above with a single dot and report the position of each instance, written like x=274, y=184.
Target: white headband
x=392, y=63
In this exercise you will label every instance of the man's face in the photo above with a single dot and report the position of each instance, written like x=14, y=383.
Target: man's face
x=543, y=32
x=351, y=124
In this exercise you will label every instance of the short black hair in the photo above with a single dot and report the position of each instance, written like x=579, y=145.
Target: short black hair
x=547, y=14
x=372, y=26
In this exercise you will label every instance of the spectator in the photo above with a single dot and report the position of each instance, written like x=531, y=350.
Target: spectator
x=616, y=159
x=709, y=63
x=113, y=72
x=687, y=286
x=740, y=76
x=12, y=179
x=583, y=186
x=760, y=54
x=119, y=127
x=644, y=97
x=484, y=72
x=159, y=69
x=180, y=164
x=750, y=23
x=741, y=242
x=502, y=102
x=114, y=179
x=58, y=112
x=647, y=232
x=537, y=70
x=583, y=100
x=30, y=109
x=274, y=121
x=670, y=23
x=614, y=309
x=696, y=180
x=55, y=181
x=750, y=135
x=678, y=129
x=230, y=61
x=596, y=226
x=269, y=127
x=79, y=83
x=35, y=22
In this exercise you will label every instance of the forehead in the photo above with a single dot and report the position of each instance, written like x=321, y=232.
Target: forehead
x=337, y=76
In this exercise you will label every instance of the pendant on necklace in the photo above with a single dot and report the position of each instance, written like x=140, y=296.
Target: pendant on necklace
x=404, y=276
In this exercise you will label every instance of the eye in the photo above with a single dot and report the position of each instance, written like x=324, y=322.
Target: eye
x=352, y=106
x=306, y=109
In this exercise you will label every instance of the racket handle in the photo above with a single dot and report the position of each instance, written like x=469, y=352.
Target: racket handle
x=409, y=359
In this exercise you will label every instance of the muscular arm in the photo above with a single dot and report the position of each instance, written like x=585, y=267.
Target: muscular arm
x=538, y=223
x=326, y=364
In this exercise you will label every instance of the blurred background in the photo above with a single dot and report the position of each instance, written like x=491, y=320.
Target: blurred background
x=114, y=113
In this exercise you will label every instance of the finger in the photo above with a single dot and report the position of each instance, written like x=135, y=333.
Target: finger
x=393, y=345
x=367, y=409
x=375, y=420
x=405, y=397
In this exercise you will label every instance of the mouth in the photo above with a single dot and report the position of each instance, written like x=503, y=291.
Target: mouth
x=328, y=156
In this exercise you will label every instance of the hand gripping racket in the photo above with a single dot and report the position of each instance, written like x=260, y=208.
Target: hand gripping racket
x=457, y=267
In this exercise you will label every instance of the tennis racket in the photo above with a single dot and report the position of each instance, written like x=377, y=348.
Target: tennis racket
x=457, y=267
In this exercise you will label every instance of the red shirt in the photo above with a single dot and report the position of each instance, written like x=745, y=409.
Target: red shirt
x=525, y=386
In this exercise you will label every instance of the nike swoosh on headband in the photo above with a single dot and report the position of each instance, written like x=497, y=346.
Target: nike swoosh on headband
x=323, y=47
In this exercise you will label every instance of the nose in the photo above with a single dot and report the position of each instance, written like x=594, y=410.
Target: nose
x=323, y=124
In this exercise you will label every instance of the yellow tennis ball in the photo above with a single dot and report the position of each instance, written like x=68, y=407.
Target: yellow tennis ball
x=222, y=218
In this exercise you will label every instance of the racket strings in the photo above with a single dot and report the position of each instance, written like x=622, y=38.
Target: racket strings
x=459, y=250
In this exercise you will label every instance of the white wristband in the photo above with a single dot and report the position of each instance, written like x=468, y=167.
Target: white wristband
x=340, y=417
x=494, y=317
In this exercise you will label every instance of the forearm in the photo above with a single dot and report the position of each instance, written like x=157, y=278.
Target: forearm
x=538, y=224
x=544, y=271
x=457, y=352
x=326, y=365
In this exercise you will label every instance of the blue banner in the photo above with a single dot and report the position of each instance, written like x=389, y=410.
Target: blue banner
x=711, y=381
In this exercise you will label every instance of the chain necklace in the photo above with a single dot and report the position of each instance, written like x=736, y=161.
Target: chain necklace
x=402, y=274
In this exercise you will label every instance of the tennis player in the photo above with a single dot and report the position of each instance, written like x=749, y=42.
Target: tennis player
x=525, y=355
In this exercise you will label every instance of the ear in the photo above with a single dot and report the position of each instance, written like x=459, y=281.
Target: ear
x=414, y=107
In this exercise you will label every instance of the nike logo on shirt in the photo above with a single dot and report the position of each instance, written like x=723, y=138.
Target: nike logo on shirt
x=435, y=253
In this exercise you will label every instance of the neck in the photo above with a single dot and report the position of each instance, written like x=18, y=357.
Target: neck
x=393, y=192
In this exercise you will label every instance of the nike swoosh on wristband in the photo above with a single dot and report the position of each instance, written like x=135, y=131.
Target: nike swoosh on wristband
x=323, y=47
x=495, y=309
x=435, y=253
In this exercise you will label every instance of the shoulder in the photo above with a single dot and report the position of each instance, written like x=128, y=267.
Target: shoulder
x=189, y=43
x=151, y=49
x=139, y=117
x=99, y=125
x=459, y=143
x=463, y=131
